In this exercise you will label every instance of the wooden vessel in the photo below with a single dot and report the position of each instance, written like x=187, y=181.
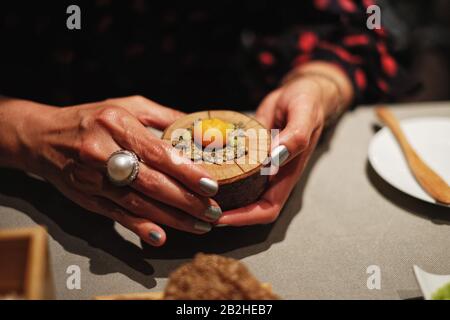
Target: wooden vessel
x=24, y=267
x=146, y=295
x=240, y=179
x=133, y=296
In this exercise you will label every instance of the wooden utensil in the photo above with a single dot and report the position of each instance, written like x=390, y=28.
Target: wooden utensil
x=147, y=295
x=430, y=181
x=240, y=180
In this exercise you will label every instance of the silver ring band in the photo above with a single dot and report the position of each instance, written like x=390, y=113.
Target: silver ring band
x=122, y=167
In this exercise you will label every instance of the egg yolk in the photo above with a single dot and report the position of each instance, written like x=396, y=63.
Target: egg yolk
x=212, y=132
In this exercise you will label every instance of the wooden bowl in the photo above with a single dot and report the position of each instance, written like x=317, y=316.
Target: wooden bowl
x=24, y=268
x=240, y=180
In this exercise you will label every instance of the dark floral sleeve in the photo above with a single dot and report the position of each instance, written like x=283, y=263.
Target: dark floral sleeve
x=342, y=38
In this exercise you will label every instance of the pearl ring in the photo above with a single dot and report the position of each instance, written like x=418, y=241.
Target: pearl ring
x=122, y=167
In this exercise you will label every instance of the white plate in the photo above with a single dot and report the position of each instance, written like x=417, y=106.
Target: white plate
x=429, y=283
x=430, y=137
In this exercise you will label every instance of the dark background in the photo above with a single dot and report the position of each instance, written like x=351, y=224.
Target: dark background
x=420, y=29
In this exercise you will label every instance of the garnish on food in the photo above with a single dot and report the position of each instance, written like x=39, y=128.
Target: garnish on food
x=213, y=140
x=442, y=293
x=212, y=133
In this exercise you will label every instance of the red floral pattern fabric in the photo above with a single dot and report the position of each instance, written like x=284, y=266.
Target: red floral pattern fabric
x=365, y=55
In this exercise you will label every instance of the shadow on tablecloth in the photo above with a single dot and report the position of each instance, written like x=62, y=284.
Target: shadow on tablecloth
x=434, y=213
x=235, y=242
x=94, y=236
x=75, y=229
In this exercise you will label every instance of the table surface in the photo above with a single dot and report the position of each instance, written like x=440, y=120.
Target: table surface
x=340, y=219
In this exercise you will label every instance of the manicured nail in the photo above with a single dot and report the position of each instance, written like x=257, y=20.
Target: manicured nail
x=213, y=213
x=155, y=236
x=208, y=186
x=279, y=155
x=202, y=226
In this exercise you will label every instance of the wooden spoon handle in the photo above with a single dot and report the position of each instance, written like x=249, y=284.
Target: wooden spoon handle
x=430, y=181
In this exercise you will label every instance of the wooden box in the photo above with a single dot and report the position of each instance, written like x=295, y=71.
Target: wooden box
x=24, y=266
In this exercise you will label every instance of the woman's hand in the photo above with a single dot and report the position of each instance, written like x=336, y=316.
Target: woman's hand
x=70, y=146
x=300, y=109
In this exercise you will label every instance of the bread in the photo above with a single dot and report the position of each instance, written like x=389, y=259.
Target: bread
x=214, y=277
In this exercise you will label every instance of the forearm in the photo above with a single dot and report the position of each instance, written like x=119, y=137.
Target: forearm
x=16, y=119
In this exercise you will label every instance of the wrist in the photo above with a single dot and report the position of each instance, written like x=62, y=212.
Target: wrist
x=21, y=123
x=318, y=92
x=330, y=95
x=332, y=79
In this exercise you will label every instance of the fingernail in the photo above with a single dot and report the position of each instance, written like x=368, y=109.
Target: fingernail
x=155, y=236
x=213, y=213
x=202, y=226
x=209, y=186
x=279, y=155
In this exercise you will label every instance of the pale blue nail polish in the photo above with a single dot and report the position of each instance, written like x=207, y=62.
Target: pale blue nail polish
x=202, y=226
x=155, y=236
x=213, y=213
x=279, y=155
x=208, y=186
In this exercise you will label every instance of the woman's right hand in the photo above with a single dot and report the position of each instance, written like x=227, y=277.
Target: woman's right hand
x=70, y=146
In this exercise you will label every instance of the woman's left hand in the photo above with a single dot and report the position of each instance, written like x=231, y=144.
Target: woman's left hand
x=299, y=108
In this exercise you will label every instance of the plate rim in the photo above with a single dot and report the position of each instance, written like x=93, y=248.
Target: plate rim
x=370, y=155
